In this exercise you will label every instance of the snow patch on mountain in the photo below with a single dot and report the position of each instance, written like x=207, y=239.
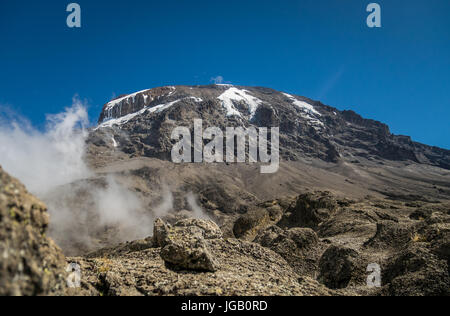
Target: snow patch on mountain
x=173, y=91
x=239, y=95
x=303, y=105
x=309, y=112
x=114, y=142
x=115, y=102
x=155, y=109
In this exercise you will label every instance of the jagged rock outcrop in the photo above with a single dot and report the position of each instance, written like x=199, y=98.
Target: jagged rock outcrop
x=413, y=255
x=30, y=263
x=248, y=224
x=391, y=235
x=413, y=251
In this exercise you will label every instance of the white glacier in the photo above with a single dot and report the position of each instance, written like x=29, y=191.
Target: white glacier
x=234, y=94
x=309, y=112
x=303, y=105
x=155, y=109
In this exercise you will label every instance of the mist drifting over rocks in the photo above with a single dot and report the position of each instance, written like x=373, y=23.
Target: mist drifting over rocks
x=52, y=166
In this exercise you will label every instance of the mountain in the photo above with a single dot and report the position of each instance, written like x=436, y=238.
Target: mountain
x=321, y=148
x=348, y=197
x=308, y=129
x=347, y=194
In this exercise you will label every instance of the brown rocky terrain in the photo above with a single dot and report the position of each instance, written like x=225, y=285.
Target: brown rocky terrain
x=312, y=244
x=194, y=257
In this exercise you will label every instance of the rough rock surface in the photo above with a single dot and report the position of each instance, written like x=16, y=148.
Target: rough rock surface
x=391, y=234
x=192, y=257
x=351, y=235
x=337, y=266
x=248, y=225
x=30, y=263
x=413, y=255
x=417, y=272
x=309, y=210
x=300, y=247
x=185, y=244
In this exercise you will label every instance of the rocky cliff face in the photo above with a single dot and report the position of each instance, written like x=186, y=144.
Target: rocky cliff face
x=30, y=263
x=141, y=124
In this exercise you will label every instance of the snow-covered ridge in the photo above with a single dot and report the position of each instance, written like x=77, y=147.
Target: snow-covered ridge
x=155, y=109
x=115, y=102
x=303, y=105
x=129, y=99
x=309, y=112
x=237, y=95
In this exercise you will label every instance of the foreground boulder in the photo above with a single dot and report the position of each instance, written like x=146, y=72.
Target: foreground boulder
x=415, y=271
x=309, y=210
x=338, y=266
x=184, y=244
x=30, y=263
x=248, y=225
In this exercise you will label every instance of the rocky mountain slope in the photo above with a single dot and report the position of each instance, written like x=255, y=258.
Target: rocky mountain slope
x=348, y=194
x=321, y=149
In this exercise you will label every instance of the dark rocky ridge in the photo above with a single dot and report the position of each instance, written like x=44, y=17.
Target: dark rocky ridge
x=344, y=135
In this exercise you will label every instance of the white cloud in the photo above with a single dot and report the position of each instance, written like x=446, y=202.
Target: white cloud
x=217, y=80
x=51, y=164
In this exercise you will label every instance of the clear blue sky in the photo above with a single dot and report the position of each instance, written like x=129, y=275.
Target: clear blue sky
x=321, y=49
